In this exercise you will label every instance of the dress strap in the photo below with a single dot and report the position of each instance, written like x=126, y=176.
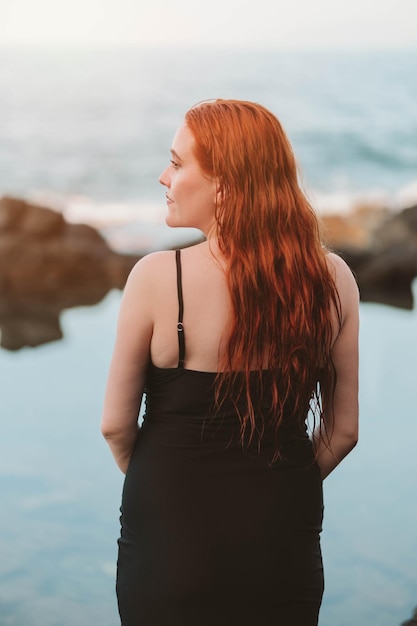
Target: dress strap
x=180, y=327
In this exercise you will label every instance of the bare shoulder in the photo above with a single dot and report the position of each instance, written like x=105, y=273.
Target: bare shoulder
x=151, y=264
x=151, y=270
x=341, y=272
x=148, y=277
x=345, y=283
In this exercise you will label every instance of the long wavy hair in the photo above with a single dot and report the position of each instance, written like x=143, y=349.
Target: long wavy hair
x=284, y=299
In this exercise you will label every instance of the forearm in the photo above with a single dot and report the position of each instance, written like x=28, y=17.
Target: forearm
x=121, y=445
x=119, y=423
x=332, y=450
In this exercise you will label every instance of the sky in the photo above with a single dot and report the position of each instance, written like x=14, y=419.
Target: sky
x=299, y=24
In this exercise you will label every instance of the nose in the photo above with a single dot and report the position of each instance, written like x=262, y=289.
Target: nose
x=164, y=178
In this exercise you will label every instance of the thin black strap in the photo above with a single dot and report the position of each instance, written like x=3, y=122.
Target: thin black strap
x=180, y=327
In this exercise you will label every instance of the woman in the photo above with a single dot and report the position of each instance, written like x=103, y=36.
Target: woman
x=234, y=341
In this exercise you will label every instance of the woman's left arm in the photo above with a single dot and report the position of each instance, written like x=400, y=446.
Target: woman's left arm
x=128, y=366
x=341, y=418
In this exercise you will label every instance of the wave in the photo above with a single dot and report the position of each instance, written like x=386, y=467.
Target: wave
x=346, y=202
x=139, y=226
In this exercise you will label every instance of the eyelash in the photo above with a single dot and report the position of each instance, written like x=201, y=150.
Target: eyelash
x=174, y=164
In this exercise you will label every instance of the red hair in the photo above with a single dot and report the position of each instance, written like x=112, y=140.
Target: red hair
x=283, y=296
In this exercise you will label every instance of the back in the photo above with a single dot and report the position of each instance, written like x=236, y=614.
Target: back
x=207, y=310
x=205, y=520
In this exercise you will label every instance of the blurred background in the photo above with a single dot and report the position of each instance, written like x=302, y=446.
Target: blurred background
x=91, y=94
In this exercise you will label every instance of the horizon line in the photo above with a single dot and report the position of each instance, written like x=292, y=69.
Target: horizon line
x=88, y=46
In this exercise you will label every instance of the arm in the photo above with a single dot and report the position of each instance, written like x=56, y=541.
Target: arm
x=341, y=420
x=128, y=366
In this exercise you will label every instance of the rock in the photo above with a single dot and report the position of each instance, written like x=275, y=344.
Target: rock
x=30, y=328
x=339, y=230
x=16, y=214
x=412, y=621
x=385, y=278
x=47, y=265
x=354, y=230
x=385, y=261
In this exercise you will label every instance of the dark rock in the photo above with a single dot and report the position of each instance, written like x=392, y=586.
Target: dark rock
x=387, y=265
x=18, y=215
x=47, y=265
x=412, y=621
x=409, y=216
x=30, y=328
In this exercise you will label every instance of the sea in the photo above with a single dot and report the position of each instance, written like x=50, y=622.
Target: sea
x=87, y=132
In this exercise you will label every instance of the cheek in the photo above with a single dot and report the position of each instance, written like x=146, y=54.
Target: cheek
x=205, y=191
x=181, y=185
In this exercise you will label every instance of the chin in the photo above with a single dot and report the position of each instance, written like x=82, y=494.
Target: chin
x=172, y=222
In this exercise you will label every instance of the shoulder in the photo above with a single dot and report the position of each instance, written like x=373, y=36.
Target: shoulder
x=341, y=272
x=345, y=282
x=152, y=263
x=159, y=268
x=151, y=270
x=148, y=277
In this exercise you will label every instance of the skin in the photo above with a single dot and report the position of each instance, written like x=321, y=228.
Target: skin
x=191, y=195
x=342, y=423
x=147, y=326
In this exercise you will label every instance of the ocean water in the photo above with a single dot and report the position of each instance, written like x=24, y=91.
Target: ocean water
x=89, y=133
x=60, y=489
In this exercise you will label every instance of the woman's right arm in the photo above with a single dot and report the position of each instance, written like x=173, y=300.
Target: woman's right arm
x=342, y=417
x=128, y=366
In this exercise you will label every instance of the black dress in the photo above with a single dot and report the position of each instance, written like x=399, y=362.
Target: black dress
x=213, y=534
